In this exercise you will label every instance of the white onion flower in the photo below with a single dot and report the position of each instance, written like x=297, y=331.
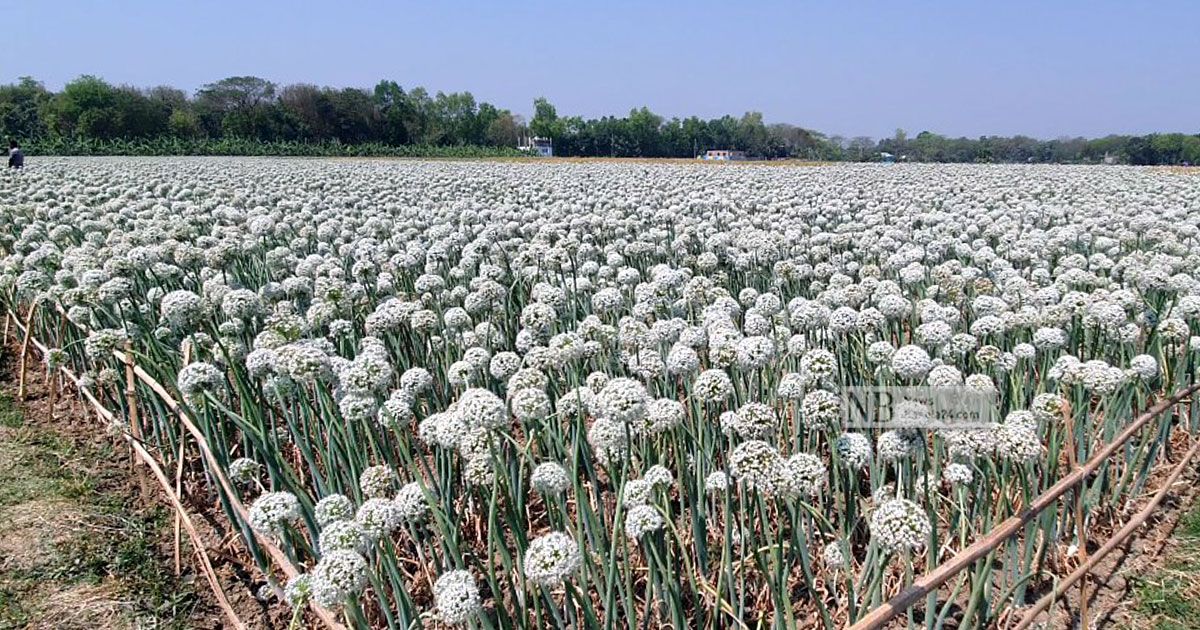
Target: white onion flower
x=854, y=450
x=549, y=479
x=957, y=474
x=377, y=481
x=272, y=512
x=344, y=536
x=712, y=386
x=641, y=520
x=332, y=508
x=753, y=420
x=899, y=525
x=378, y=518
x=551, y=559
x=457, y=597
x=911, y=363
x=832, y=556
x=338, y=576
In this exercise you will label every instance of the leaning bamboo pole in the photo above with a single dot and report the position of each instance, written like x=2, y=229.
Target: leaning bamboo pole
x=1122, y=534
x=927, y=583
x=28, y=332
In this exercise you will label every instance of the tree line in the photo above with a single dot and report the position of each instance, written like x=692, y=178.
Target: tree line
x=253, y=115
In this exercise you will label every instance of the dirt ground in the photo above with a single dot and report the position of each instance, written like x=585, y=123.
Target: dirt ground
x=1153, y=580
x=86, y=540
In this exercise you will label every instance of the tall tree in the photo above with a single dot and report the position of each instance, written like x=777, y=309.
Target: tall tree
x=644, y=133
x=311, y=108
x=545, y=122
x=505, y=130
x=355, y=119
x=457, y=113
x=395, y=112
x=238, y=106
x=88, y=106
x=23, y=107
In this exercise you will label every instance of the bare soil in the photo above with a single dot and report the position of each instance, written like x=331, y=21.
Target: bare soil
x=1117, y=590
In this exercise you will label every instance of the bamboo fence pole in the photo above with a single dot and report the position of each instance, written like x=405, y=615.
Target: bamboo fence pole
x=911, y=595
x=1080, y=527
x=25, y=351
x=1125, y=532
x=187, y=358
x=273, y=550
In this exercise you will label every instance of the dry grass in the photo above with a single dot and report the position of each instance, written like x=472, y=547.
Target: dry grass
x=86, y=606
x=1181, y=171
x=34, y=530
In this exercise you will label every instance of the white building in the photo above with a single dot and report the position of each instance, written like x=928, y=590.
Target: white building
x=543, y=147
x=723, y=154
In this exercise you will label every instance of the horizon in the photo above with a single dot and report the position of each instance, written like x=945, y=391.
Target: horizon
x=1039, y=71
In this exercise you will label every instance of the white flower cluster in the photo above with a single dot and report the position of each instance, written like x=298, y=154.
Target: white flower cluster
x=332, y=508
x=581, y=322
x=272, y=512
x=456, y=597
x=244, y=471
x=551, y=559
x=338, y=576
x=899, y=525
x=761, y=468
x=550, y=479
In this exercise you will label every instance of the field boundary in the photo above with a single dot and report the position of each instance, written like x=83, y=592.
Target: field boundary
x=141, y=454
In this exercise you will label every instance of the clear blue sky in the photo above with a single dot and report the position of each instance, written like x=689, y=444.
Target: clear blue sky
x=1044, y=68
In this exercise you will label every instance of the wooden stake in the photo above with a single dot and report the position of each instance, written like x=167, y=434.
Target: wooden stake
x=25, y=351
x=187, y=358
x=50, y=378
x=178, y=515
x=1080, y=529
x=135, y=422
x=922, y=586
x=205, y=564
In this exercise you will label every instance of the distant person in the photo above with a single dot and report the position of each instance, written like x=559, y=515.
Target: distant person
x=16, y=159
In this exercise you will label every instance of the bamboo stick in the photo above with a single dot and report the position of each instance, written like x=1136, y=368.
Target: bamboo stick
x=197, y=542
x=273, y=550
x=187, y=355
x=901, y=602
x=1125, y=532
x=25, y=351
x=1080, y=528
x=178, y=517
x=135, y=424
